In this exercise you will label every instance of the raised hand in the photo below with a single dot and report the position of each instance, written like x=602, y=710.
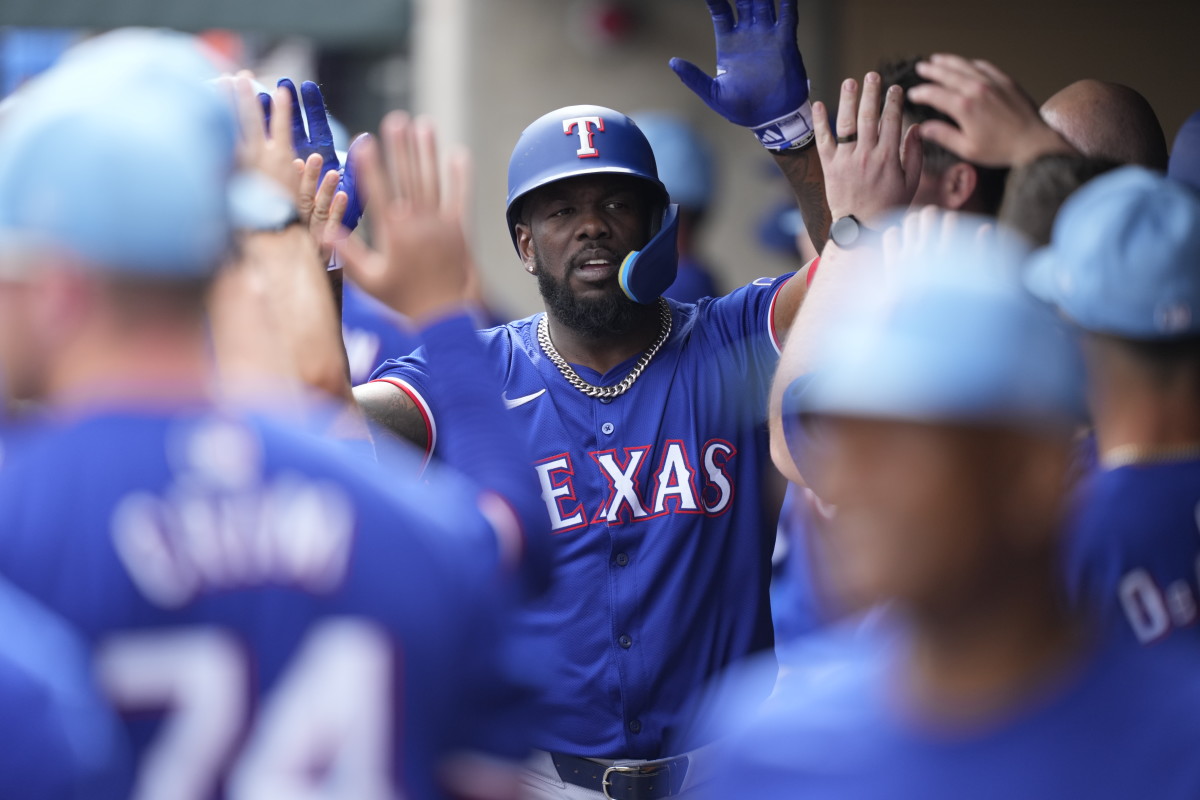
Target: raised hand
x=998, y=124
x=760, y=83
x=320, y=204
x=265, y=145
x=869, y=166
x=420, y=264
x=318, y=139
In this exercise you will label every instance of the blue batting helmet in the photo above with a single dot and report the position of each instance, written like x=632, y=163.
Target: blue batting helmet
x=594, y=140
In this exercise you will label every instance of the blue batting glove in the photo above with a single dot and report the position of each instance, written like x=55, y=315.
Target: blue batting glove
x=761, y=83
x=349, y=185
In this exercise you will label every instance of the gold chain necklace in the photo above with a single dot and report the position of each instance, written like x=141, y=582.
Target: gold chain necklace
x=1129, y=454
x=616, y=390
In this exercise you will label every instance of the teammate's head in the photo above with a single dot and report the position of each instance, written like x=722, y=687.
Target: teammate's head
x=1037, y=190
x=1108, y=120
x=947, y=181
x=583, y=194
x=1122, y=265
x=114, y=172
x=938, y=423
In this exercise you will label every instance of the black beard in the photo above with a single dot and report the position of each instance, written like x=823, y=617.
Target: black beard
x=608, y=315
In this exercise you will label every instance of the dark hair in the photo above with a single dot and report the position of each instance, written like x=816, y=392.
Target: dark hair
x=1037, y=190
x=1164, y=361
x=902, y=72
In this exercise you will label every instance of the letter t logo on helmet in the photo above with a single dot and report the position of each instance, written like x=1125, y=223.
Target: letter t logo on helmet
x=584, y=126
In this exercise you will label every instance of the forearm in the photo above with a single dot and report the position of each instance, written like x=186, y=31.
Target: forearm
x=802, y=168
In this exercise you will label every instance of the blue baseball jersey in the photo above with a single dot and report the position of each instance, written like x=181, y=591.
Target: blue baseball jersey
x=693, y=282
x=372, y=333
x=1115, y=725
x=1134, y=550
x=68, y=745
x=661, y=541
x=268, y=617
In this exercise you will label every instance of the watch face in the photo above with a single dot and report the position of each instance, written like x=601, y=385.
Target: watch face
x=844, y=231
x=259, y=204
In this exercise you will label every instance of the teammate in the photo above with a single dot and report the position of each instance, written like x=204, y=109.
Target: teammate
x=1108, y=120
x=270, y=619
x=645, y=417
x=1122, y=266
x=938, y=418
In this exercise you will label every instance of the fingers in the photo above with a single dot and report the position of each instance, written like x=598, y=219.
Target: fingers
x=337, y=210
x=369, y=171
x=358, y=260
x=787, y=14
x=693, y=78
x=847, y=108
x=306, y=200
x=953, y=71
x=264, y=100
x=314, y=111
x=946, y=135
x=891, y=121
x=325, y=194
x=824, y=136
x=745, y=13
x=763, y=12
x=281, y=120
x=992, y=71
x=428, y=182
x=945, y=100
x=250, y=116
x=396, y=132
x=722, y=15
x=868, y=110
x=292, y=101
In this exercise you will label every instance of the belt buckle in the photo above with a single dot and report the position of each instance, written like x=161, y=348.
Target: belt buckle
x=604, y=782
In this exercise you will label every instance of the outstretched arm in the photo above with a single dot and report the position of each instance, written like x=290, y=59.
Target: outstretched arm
x=761, y=84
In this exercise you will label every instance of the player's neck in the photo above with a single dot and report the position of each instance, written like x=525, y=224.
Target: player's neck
x=1132, y=415
x=977, y=660
x=605, y=350
x=163, y=367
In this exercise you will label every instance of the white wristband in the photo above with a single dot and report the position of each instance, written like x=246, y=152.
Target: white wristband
x=790, y=132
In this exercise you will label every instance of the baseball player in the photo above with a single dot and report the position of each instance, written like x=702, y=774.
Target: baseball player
x=938, y=417
x=1122, y=266
x=269, y=619
x=645, y=417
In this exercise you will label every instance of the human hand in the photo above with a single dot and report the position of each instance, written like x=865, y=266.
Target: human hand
x=761, y=83
x=873, y=168
x=320, y=205
x=265, y=145
x=318, y=139
x=420, y=262
x=998, y=124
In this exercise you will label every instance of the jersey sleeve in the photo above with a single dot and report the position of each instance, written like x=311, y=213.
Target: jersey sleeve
x=410, y=374
x=740, y=337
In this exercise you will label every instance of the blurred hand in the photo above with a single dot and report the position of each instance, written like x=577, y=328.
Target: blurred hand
x=320, y=204
x=998, y=124
x=929, y=230
x=419, y=264
x=761, y=82
x=876, y=171
x=318, y=139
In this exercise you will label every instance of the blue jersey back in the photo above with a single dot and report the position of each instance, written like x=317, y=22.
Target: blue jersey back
x=661, y=542
x=372, y=333
x=262, y=612
x=68, y=744
x=1134, y=553
x=1119, y=725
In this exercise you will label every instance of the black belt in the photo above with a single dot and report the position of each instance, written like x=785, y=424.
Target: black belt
x=646, y=781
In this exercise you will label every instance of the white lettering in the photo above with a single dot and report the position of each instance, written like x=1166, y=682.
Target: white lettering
x=552, y=492
x=624, y=484
x=674, y=479
x=1144, y=606
x=586, y=128
x=716, y=456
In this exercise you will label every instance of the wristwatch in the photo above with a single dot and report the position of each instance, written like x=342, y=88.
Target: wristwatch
x=258, y=204
x=847, y=232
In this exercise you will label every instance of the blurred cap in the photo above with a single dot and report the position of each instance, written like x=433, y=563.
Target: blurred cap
x=121, y=155
x=1184, y=165
x=1124, y=257
x=685, y=161
x=958, y=341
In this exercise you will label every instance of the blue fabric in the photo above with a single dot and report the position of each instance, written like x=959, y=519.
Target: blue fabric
x=693, y=282
x=1116, y=725
x=1184, y=165
x=192, y=521
x=372, y=333
x=1134, y=551
x=796, y=606
x=681, y=563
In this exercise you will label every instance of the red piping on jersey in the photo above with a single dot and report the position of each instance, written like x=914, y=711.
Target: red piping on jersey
x=812, y=270
x=422, y=406
x=771, y=317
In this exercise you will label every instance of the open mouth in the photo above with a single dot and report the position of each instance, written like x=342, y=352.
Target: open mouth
x=597, y=266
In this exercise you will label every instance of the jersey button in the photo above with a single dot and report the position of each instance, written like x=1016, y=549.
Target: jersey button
x=606, y=400
x=607, y=428
x=635, y=726
x=625, y=641
x=622, y=559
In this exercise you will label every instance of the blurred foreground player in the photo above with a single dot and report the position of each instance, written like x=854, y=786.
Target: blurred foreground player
x=1124, y=265
x=939, y=422
x=268, y=618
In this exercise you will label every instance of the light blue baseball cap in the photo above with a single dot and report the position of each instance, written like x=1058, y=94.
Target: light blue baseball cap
x=957, y=340
x=685, y=161
x=1184, y=164
x=121, y=155
x=1124, y=257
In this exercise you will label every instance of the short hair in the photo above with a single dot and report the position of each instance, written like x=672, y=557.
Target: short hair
x=1037, y=190
x=902, y=72
x=1163, y=361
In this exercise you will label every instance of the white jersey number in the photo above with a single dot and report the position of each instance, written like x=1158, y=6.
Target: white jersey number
x=324, y=731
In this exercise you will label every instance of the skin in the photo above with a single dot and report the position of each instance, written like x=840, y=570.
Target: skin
x=1108, y=120
x=957, y=526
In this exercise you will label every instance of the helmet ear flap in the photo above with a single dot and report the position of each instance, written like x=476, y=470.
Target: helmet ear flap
x=645, y=274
